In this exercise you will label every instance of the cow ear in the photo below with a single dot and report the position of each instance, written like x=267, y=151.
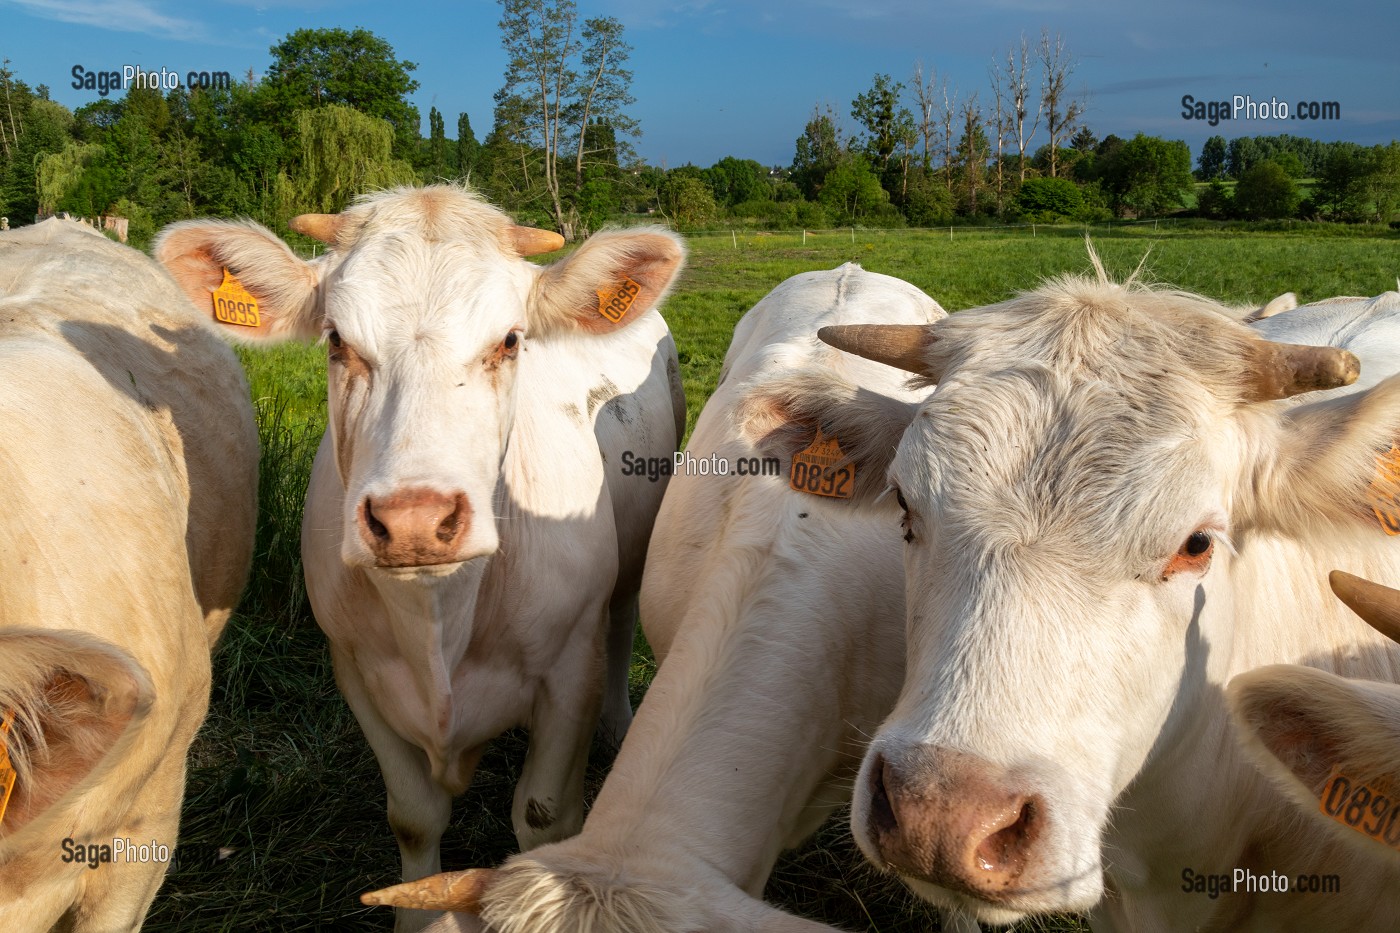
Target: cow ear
x=1279, y=304
x=612, y=279
x=782, y=417
x=1303, y=726
x=199, y=253
x=74, y=701
x=1324, y=464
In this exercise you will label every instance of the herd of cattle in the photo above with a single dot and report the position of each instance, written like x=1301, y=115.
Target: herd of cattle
x=1056, y=623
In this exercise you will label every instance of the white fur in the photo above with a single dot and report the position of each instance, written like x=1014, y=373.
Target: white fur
x=1078, y=436
x=776, y=618
x=534, y=627
x=128, y=460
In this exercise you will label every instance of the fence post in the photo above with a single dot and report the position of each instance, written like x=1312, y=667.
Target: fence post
x=950, y=233
x=1032, y=231
x=853, y=235
x=734, y=239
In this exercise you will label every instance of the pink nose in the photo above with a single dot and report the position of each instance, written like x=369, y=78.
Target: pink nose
x=946, y=817
x=415, y=527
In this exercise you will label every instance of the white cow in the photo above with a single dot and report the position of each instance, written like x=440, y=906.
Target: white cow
x=1306, y=727
x=1110, y=513
x=776, y=616
x=128, y=460
x=468, y=541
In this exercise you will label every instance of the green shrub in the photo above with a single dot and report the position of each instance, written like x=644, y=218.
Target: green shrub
x=1046, y=200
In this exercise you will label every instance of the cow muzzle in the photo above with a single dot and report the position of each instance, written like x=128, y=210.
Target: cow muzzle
x=954, y=820
x=415, y=527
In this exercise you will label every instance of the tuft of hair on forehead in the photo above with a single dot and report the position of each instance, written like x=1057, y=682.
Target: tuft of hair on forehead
x=438, y=213
x=1130, y=334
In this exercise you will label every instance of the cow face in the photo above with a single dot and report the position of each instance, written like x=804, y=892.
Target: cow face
x=1074, y=493
x=427, y=310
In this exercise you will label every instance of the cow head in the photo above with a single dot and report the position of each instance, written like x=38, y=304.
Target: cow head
x=1075, y=492
x=426, y=306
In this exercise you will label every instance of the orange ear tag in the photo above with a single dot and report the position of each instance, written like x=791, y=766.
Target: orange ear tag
x=7, y=771
x=1372, y=811
x=812, y=470
x=1383, y=495
x=233, y=304
x=613, y=304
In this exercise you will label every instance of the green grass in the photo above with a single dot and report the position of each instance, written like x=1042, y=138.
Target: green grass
x=284, y=822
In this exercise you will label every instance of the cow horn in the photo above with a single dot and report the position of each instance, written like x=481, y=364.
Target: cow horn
x=531, y=241
x=323, y=227
x=1282, y=370
x=898, y=345
x=1378, y=605
x=461, y=891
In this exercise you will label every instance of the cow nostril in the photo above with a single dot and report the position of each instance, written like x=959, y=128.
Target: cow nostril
x=375, y=526
x=882, y=819
x=1005, y=850
x=450, y=526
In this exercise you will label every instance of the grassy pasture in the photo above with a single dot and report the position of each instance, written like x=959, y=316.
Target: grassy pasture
x=284, y=821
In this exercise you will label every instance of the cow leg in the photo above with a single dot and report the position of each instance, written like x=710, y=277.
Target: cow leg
x=419, y=808
x=617, y=705
x=549, y=796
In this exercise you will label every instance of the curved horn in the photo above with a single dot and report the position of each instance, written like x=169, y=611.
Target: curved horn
x=323, y=227
x=1281, y=370
x=531, y=241
x=452, y=890
x=898, y=345
x=1378, y=605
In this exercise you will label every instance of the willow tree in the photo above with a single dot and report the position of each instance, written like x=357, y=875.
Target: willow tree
x=342, y=153
x=58, y=173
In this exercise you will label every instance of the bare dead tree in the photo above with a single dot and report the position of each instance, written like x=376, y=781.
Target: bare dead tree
x=1018, y=94
x=947, y=115
x=1062, y=111
x=925, y=107
x=1000, y=125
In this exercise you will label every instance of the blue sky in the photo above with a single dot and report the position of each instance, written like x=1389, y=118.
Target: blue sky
x=720, y=77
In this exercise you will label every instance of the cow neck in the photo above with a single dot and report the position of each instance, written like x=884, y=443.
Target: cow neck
x=432, y=623
x=674, y=779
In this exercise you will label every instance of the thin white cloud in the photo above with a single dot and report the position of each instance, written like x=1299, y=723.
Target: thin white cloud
x=121, y=15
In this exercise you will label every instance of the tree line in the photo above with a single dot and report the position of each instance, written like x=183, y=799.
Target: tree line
x=331, y=117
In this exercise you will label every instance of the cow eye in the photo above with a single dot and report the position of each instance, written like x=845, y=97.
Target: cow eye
x=1194, y=555
x=512, y=339
x=905, y=525
x=333, y=338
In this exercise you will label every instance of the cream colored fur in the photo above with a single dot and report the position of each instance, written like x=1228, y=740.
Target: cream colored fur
x=1078, y=435
x=128, y=456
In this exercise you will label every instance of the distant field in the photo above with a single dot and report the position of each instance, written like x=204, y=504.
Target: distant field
x=284, y=820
